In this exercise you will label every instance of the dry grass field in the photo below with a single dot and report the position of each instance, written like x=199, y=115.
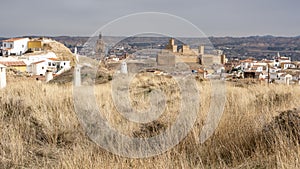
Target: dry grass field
x=39, y=128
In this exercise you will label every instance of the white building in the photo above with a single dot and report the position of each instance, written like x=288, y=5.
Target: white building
x=246, y=65
x=14, y=46
x=274, y=76
x=62, y=66
x=281, y=59
x=288, y=65
x=39, y=68
x=36, y=58
x=274, y=69
x=51, y=64
x=257, y=68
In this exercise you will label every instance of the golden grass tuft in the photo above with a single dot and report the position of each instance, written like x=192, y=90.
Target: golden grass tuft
x=39, y=128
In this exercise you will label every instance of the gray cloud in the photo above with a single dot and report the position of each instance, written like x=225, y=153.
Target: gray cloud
x=213, y=17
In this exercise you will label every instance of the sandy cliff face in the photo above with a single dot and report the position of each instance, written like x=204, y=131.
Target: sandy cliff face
x=61, y=51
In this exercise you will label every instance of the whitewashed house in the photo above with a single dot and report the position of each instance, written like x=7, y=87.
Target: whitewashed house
x=288, y=65
x=257, y=68
x=246, y=65
x=39, y=68
x=62, y=66
x=285, y=78
x=14, y=46
x=36, y=58
x=280, y=76
x=281, y=59
x=50, y=64
x=274, y=69
x=274, y=75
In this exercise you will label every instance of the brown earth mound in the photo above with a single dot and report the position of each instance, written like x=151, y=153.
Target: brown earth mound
x=286, y=124
x=87, y=76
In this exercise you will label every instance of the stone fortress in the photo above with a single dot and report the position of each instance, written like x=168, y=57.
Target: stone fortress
x=183, y=53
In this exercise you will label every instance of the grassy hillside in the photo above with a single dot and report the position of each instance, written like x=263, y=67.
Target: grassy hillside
x=39, y=128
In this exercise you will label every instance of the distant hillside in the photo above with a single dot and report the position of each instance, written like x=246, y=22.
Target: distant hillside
x=242, y=47
x=258, y=46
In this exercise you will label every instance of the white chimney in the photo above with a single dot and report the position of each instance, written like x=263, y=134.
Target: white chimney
x=77, y=76
x=2, y=76
x=124, y=68
x=287, y=79
x=48, y=75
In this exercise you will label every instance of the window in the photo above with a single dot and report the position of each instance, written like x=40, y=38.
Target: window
x=43, y=67
x=11, y=46
x=64, y=63
x=22, y=46
x=4, y=44
x=49, y=63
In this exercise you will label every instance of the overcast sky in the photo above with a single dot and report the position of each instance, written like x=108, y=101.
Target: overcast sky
x=213, y=17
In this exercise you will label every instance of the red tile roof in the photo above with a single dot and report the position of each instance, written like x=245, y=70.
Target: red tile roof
x=247, y=60
x=53, y=59
x=267, y=61
x=284, y=58
x=38, y=62
x=13, y=63
x=12, y=39
x=7, y=49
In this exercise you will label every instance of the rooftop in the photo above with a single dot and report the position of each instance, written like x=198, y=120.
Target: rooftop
x=38, y=62
x=13, y=63
x=53, y=59
x=12, y=39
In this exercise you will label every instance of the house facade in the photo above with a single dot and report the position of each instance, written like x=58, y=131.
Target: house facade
x=287, y=65
x=280, y=59
x=39, y=68
x=52, y=64
x=17, y=64
x=14, y=46
x=35, y=45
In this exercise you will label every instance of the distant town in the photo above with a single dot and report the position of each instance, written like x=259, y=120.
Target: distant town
x=43, y=58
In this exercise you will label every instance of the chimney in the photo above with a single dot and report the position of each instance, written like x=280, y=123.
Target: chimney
x=201, y=50
x=124, y=68
x=2, y=76
x=49, y=75
x=77, y=76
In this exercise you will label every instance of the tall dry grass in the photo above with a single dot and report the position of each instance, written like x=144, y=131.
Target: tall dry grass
x=39, y=128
